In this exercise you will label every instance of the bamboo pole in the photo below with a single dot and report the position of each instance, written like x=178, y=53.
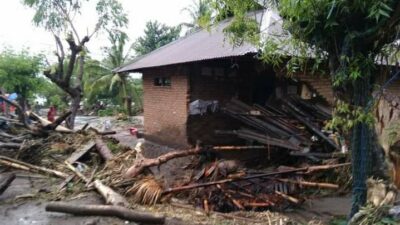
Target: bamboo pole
x=311, y=184
x=29, y=167
x=304, y=169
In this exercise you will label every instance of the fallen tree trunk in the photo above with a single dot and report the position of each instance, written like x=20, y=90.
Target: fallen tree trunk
x=144, y=163
x=104, y=210
x=29, y=167
x=111, y=197
x=304, y=169
x=103, y=150
x=6, y=181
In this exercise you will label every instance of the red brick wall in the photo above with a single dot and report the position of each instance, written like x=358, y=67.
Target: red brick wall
x=166, y=107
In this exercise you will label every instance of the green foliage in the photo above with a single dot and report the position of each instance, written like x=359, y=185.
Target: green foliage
x=155, y=36
x=372, y=215
x=53, y=95
x=200, y=12
x=19, y=72
x=102, y=83
x=57, y=15
x=349, y=36
x=242, y=28
x=347, y=116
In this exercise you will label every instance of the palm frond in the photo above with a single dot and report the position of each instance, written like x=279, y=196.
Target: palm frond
x=116, y=78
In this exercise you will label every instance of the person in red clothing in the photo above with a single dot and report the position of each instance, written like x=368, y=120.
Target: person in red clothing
x=51, y=115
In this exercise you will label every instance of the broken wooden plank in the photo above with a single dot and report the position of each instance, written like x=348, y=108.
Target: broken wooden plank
x=80, y=152
x=104, y=210
x=6, y=181
x=265, y=139
x=310, y=126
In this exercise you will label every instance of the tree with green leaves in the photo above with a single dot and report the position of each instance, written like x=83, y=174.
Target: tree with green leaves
x=349, y=41
x=116, y=56
x=57, y=16
x=200, y=13
x=155, y=36
x=19, y=73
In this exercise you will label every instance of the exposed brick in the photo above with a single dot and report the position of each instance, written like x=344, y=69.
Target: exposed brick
x=166, y=107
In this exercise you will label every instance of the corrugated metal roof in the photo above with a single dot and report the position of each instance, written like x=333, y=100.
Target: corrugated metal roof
x=202, y=45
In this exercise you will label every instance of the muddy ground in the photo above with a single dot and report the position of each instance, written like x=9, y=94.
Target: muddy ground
x=24, y=201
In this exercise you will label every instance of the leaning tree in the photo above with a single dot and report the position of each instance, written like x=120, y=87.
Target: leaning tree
x=60, y=17
x=349, y=40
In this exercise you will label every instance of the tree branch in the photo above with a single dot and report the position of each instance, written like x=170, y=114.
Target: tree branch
x=61, y=57
x=67, y=17
x=72, y=59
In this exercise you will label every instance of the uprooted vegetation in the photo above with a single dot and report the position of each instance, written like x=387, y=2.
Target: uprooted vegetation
x=188, y=182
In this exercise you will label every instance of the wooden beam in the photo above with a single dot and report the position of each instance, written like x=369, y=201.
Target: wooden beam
x=104, y=210
x=80, y=152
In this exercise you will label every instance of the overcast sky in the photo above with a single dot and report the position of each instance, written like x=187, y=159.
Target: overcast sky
x=17, y=30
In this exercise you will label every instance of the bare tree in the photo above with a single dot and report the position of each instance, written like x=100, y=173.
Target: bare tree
x=57, y=16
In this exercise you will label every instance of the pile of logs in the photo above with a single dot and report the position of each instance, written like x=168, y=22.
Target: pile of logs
x=253, y=191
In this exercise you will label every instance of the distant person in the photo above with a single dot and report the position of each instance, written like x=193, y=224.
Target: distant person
x=51, y=115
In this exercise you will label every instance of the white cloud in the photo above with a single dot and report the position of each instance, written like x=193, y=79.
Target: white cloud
x=17, y=30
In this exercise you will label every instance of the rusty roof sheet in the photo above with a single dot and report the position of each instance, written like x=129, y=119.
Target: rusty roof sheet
x=201, y=45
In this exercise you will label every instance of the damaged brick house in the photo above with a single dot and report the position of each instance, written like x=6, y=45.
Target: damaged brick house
x=186, y=82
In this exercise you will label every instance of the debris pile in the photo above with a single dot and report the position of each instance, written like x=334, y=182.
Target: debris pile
x=83, y=160
x=295, y=125
x=295, y=128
